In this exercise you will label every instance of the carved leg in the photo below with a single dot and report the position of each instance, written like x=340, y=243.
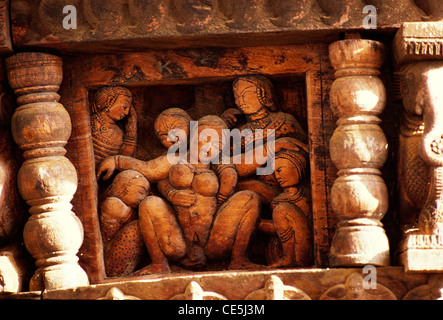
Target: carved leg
x=47, y=180
x=358, y=148
x=293, y=230
x=125, y=251
x=161, y=233
x=234, y=225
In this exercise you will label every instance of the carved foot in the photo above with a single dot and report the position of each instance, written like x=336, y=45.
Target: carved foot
x=285, y=261
x=244, y=264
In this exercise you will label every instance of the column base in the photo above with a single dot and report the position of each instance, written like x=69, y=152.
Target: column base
x=355, y=246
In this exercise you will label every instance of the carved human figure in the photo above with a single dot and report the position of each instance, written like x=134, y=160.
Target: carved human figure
x=164, y=236
x=111, y=105
x=290, y=208
x=254, y=97
x=195, y=228
x=119, y=210
x=354, y=289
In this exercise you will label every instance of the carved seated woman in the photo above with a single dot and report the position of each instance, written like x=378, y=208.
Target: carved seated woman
x=111, y=105
x=283, y=189
x=254, y=97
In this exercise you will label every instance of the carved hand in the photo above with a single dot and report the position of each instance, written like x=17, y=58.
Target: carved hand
x=184, y=198
x=230, y=116
x=107, y=166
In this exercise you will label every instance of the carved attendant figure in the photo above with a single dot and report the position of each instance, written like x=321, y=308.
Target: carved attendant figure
x=111, y=105
x=290, y=209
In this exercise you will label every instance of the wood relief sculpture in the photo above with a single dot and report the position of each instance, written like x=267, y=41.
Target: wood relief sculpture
x=47, y=180
x=354, y=289
x=186, y=223
x=433, y=290
x=275, y=289
x=420, y=150
x=111, y=105
x=358, y=148
x=283, y=188
x=195, y=292
x=191, y=213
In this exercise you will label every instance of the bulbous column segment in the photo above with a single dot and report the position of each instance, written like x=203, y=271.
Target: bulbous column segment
x=358, y=149
x=47, y=180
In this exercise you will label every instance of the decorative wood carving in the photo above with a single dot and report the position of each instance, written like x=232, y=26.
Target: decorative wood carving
x=116, y=294
x=354, y=289
x=291, y=213
x=315, y=283
x=195, y=292
x=5, y=25
x=124, y=25
x=421, y=248
x=148, y=74
x=358, y=148
x=47, y=180
x=274, y=289
x=433, y=290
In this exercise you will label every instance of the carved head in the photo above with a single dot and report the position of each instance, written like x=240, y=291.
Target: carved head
x=115, y=101
x=253, y=93
x=290, y=168
x=211, y=139
x=169, y=121
x=354, y=286
x=130, y=186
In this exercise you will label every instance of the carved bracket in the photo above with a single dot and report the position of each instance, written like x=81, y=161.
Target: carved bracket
x=418, y=52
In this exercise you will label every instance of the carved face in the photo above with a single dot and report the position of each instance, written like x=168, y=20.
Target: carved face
x=138, y=190
x=165, y=130
x=210, y=137
x=354, y=285
x=120, y=108
x=246, y=98
x=285, y=173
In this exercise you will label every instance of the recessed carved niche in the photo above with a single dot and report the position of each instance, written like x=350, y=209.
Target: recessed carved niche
x=202, y=85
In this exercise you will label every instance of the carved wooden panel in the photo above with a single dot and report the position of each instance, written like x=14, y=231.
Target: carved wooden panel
x=134, y=24
x=198, y=81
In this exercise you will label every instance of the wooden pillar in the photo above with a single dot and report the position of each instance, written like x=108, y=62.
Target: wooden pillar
x=358, y=149
x=419, y=57
x=46, y=180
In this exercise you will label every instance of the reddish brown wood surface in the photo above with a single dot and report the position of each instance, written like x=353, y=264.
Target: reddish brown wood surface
x=195, y=67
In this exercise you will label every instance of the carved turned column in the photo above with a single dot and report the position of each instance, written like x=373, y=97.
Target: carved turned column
x=46, y=180
x=358, y=149
x=418, y=50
